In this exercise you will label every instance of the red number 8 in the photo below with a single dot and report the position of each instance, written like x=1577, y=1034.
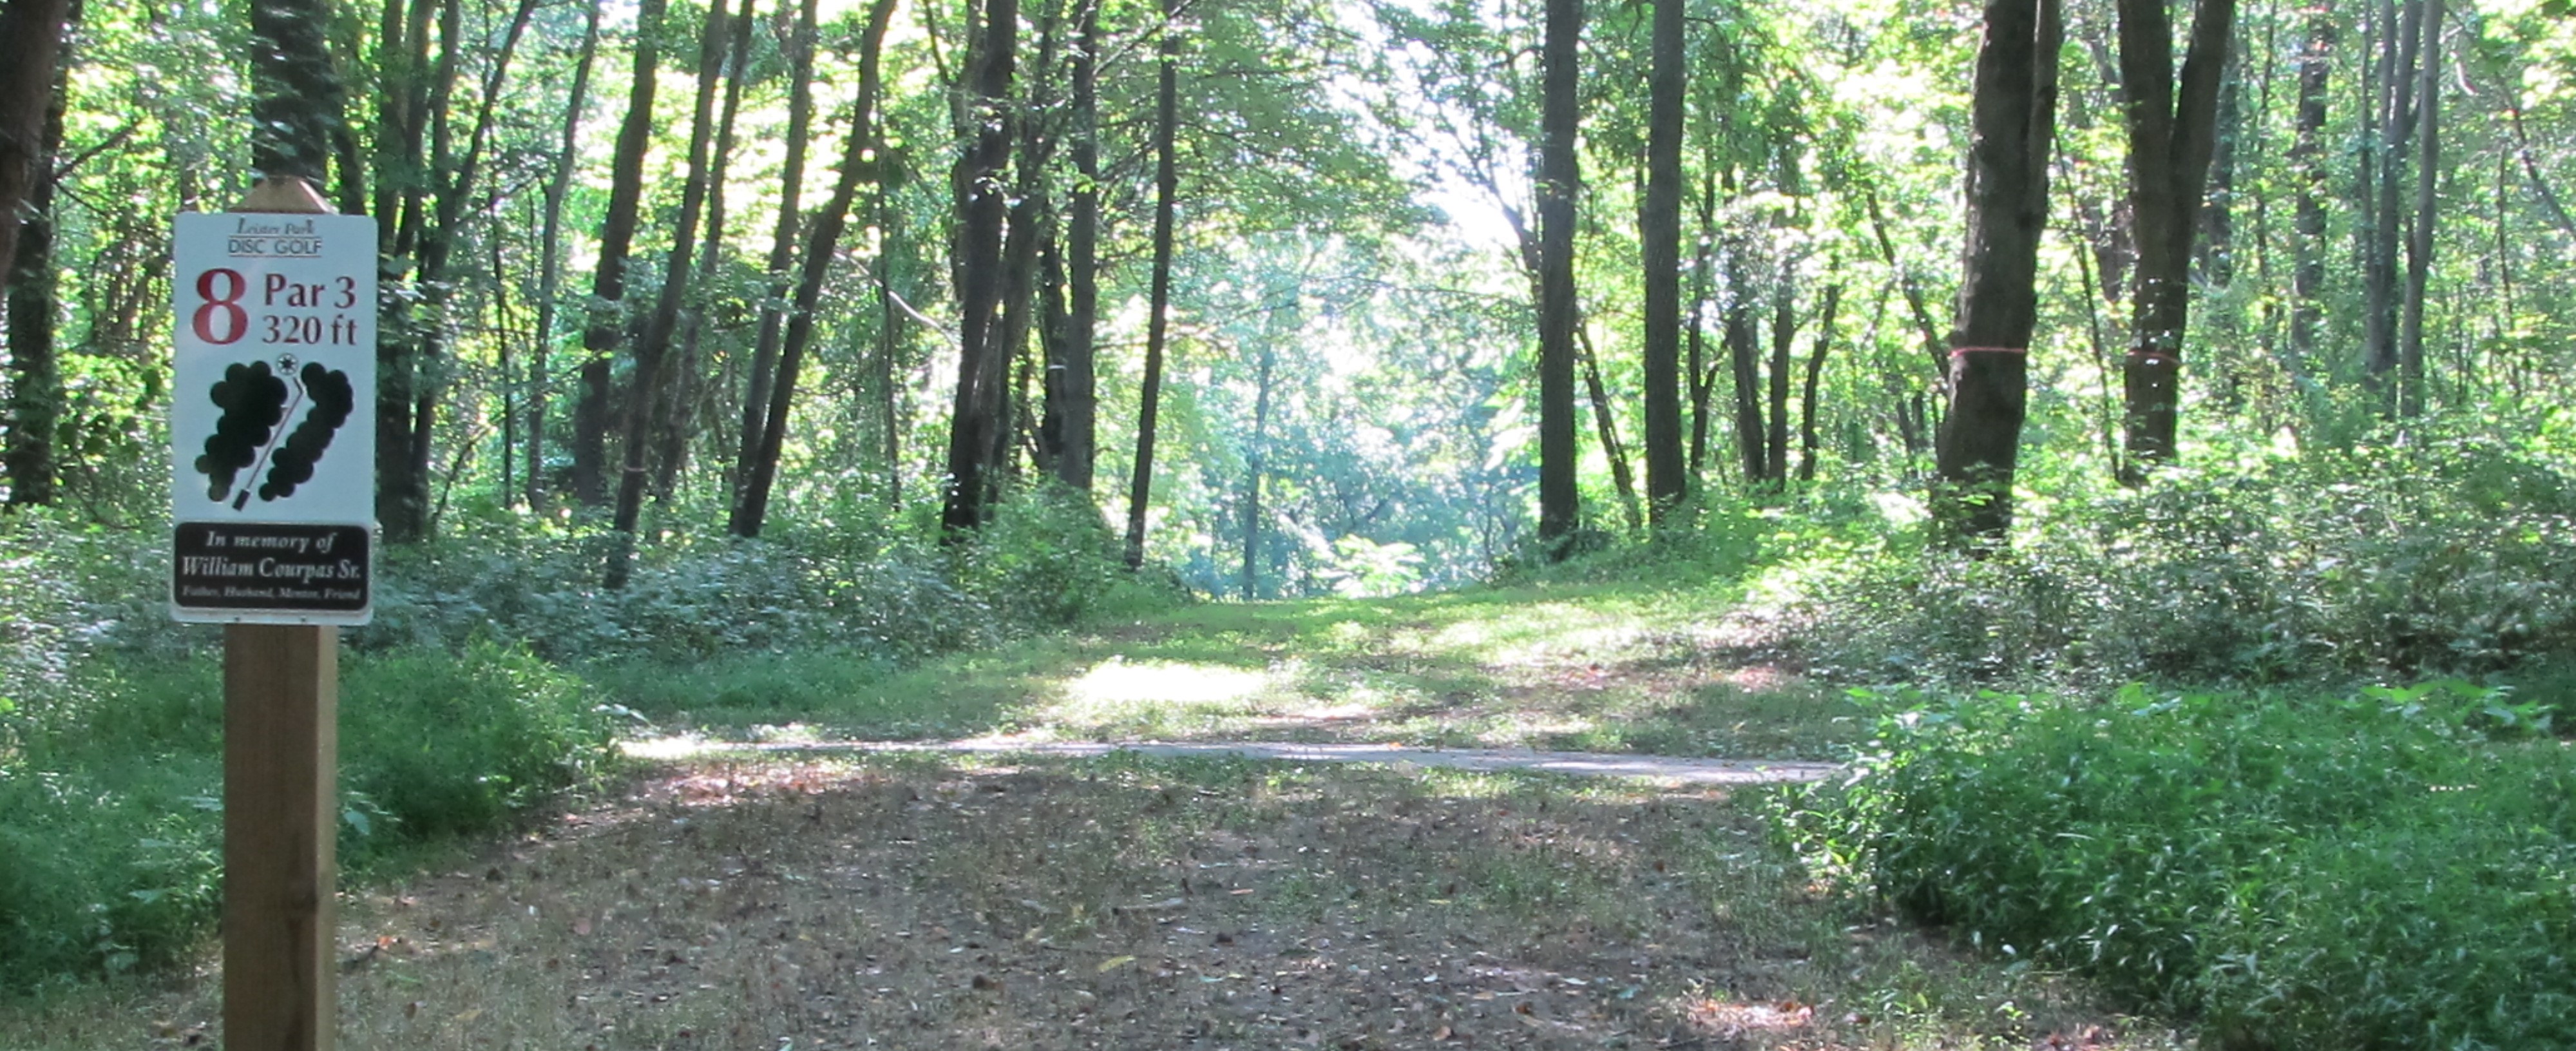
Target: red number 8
x=225, y=305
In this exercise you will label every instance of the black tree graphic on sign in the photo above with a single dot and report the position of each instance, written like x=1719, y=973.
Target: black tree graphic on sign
x=255, y=399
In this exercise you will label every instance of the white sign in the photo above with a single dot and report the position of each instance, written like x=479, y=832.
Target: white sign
x=272, y=423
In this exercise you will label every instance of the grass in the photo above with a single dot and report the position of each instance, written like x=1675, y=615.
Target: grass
x=1125, y=903
x=1602, y=667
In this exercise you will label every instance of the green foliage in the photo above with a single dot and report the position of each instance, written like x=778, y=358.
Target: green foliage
x=443, y=744
x=2448, y=555
x=2389, y=869
x=1048, y=560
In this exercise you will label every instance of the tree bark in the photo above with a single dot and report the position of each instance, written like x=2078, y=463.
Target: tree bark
x=550, y=268
x=976, y=427
x=606, y=330
x=1659, y=225
x=1166, y=187
x=1784, y=334
x=782, y=246
x=1808, y=439
x=2383, y=165
x=2173, y=132
x=1252, y=464
x=2013, y=118
x=1744, y=351
x=2419, y=234
x=1623, y=480
x=31, y=35
x=655, y=344
x=1560, y=182
x=35, y=405
x=686, y=386
x=2308, y=160
x=752, y=509
x=1072, y=401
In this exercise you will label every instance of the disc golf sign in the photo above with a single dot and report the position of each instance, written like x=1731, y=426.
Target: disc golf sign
x=272, y=427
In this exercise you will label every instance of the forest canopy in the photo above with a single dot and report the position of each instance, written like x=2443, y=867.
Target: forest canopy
x=1379, y=295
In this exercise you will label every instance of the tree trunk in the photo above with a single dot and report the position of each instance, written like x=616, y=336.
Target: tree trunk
x=1808, y=439
x=782, y=246
x=1167, y=181
x=1784, y=334
x=686, y=385
x=1252, y=463
x=1622, y=478
x=2013, y=116
x=1702, y=373
x=1744, y=351
x=2308, y=160
x=550, y=268
x=31, y=35
x=2173, y=133
x=2383, y=164
x=1560, y=182
x=821, y=240
x=35, y=406
x=655, y=345
x=1072, y=401
x=607, y=325
x=2419, y=235
x=976, y=427
x=1659, y=230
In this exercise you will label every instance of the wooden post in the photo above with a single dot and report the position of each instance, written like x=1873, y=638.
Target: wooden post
x=281, y=772
x=281, y=765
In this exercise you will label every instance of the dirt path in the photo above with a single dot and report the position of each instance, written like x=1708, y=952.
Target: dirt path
x=1668, y=771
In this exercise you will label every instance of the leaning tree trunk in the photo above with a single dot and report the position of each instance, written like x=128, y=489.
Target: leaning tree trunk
x=1167, y=181
x=606, y=330
x=550, y=266
x=2013, y=116
x=782, y=246
x=751, y=508
x=1560, y=180
x=655, y=345
x=2173, y=132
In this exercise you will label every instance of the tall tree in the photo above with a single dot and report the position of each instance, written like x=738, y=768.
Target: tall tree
x=1167, y=182
x=2389, y=129
x=607, y=324
x=655, y=343
x=31, y=34
x=550, y=262
x=782, y=244
x=2419, y=233
x=1560, y=180
x=1072, y=398
x=822, y=240
x=1659, y=226
x=2308, y=156
x=2173, y=131
x=35, y=403
x=2013, y=118
x=976, y=426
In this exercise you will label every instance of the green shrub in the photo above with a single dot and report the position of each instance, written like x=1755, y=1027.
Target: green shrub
x=2449, y=556
x=445, y=744
x=2391, y=869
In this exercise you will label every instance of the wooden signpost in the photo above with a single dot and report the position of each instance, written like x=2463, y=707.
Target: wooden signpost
x=272, y=436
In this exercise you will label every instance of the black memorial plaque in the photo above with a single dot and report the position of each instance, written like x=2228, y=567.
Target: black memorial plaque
x=271, y=567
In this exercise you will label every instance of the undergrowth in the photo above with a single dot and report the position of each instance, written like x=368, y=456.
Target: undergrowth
x=486, y=687
x=2391, y=869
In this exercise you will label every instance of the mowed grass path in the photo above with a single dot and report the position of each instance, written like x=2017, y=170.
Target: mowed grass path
x=767, y=901
x=1602, y=668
